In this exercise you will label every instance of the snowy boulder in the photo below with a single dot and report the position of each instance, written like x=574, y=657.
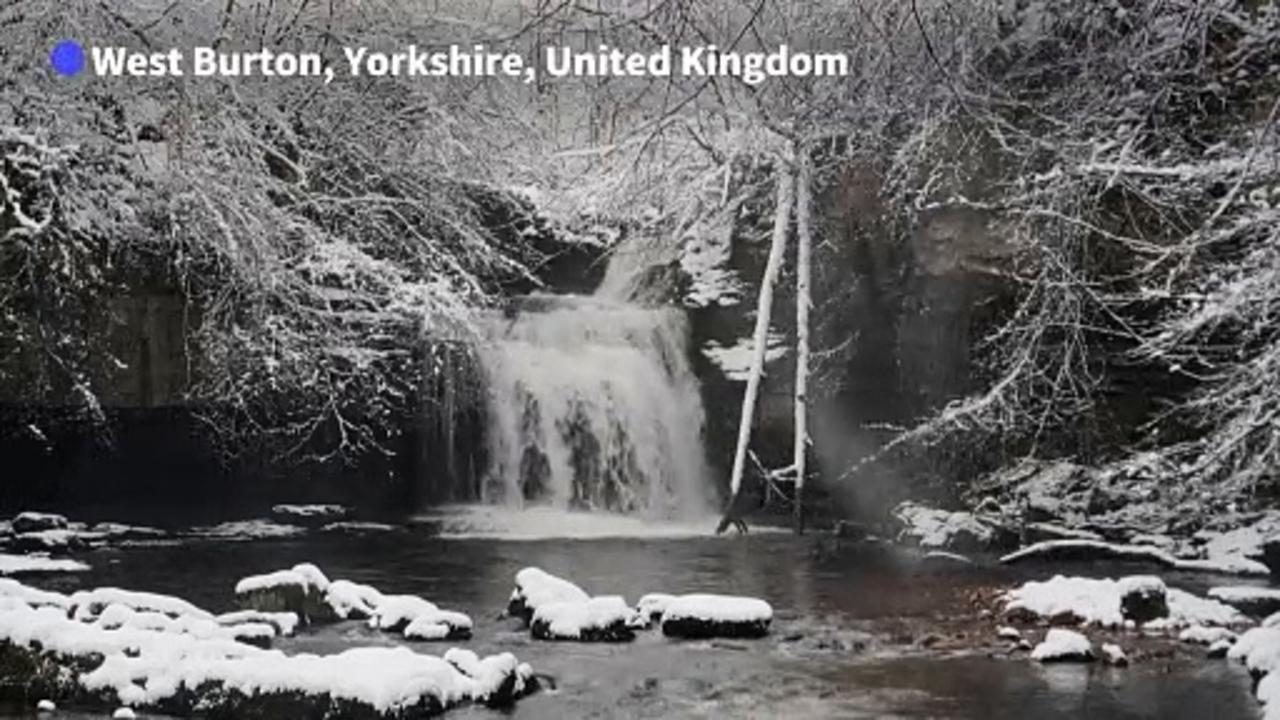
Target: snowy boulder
x=535, y=588
x=88, y=605
x=310, y=516
x=935, y=529
x=607, y=618
x=352, y=601
x=1006, y=632
x=1063, y=646
x=29, y=522
x=119, y=532
x=1201, y=635
x=300, y=590
x=58, y=542
x=283, y=623
x=419, y=619
x=1143, y=598
x=651, y=607
x=1255, y=601
x=708, y=616
x=501, y=679
x=1114, y=655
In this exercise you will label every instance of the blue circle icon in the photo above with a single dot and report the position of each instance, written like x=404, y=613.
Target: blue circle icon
x=67, y=58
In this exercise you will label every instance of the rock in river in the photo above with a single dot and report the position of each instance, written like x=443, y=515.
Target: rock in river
x=708, y=616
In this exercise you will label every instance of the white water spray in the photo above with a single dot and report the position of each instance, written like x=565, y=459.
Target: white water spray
x=593, y=406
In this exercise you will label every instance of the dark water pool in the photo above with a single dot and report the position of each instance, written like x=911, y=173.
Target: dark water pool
x=829, y=601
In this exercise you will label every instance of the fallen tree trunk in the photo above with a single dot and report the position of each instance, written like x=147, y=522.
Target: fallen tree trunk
x=781, y=220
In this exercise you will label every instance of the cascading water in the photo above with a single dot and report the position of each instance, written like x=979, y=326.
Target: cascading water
x=593, y=406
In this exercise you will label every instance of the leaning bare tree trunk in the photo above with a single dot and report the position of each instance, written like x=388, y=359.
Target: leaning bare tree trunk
x=803, y=271
x=781, y=218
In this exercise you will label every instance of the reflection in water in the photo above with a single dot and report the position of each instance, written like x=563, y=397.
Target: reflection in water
x=818, y=593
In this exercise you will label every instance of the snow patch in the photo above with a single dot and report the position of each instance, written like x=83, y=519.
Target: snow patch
x=19, y=564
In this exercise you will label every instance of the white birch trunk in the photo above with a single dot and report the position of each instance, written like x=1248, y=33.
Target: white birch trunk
x=781, y=219
x=804, y=242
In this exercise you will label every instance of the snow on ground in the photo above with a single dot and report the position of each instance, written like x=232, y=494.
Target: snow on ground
x=604, y=617
x=1063, y=645
x=489, y=522
x=19, y=564
x=1240, y=547
x=935, y=529
x=1097, y=601
x=735, y=360
x=145, y=664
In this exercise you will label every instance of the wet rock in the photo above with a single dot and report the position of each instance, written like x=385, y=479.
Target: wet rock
x=29, y=522
x=300, y=590
x=935, y=529
x=851, y=530
x=1143, y=598
x=56, y=542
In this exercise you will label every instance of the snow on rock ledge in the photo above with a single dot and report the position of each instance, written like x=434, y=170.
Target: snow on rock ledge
x=707, y=616
x=1255, y=601
x=935, y=529
x=535, y=588
x=311, y=516
x=1063, y=646
x=1093, y=550
x=300, y=590
x=607, y=618
x=25, y=564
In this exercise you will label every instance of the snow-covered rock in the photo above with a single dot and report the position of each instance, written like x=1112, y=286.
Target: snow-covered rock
x=27, y=522
x=246, y=530
x=1256, y=601
x=1093, y=601
x=310, y=515
x=348, y=527
x=419, y=619
x=284, y=623
x=706, y=616
x=607, y=618
x=300, y=590
x=1005, y=632
x=123, y=713
x=352, y=601
x=1219, y=649
x=651, y=606
x=46, y=706
x=87, y=605
x=49, y=541
x=149, y=669
x=120, y=532
x=1201, y=635
x=25, y=564
x=1143, y=598
x=535, y=588
x=1114, y=655
x=935, y=529
x=1061, y=645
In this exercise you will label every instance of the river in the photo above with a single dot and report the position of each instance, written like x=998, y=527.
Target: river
x=860, y=631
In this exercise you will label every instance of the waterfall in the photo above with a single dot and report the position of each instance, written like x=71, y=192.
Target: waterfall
x=593, y=406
